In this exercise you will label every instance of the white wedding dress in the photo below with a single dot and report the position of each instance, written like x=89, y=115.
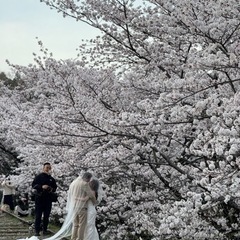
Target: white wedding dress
x=91, y=230
x=72, y=208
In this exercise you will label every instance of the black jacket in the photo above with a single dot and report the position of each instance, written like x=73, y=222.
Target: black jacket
x=44, y=179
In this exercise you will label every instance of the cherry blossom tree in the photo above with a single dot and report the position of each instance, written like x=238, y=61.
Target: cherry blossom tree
x=151, y=107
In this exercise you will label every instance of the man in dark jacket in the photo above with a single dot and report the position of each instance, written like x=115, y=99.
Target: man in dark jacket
x=44, y=184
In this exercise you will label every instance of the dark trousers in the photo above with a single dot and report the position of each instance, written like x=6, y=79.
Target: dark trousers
x=8, y=199
x=42, y=208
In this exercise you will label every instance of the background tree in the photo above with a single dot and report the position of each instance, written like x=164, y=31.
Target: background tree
x=152, y=109
x=8, y=155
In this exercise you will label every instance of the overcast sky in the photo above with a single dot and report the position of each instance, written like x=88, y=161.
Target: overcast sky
x=21, y=21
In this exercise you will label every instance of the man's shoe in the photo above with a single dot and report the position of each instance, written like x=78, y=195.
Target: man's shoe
x=37, y=234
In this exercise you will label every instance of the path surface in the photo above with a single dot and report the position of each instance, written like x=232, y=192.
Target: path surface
x=12, y=228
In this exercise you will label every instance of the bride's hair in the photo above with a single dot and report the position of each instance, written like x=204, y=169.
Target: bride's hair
x=94, y=185
x=87, y=176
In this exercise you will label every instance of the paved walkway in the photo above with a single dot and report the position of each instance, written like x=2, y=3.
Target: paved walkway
x=11, y=228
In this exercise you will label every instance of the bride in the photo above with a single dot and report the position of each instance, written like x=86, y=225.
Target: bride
x=91, y=230
x=74, y=203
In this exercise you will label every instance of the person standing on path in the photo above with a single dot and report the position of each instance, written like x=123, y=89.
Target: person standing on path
x=91, y=232
x=43, y=184
x=8, y=192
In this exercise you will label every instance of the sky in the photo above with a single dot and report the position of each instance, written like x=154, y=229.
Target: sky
x=22, y=21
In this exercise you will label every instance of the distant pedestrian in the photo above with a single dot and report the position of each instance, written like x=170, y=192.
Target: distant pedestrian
x=8, y=192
